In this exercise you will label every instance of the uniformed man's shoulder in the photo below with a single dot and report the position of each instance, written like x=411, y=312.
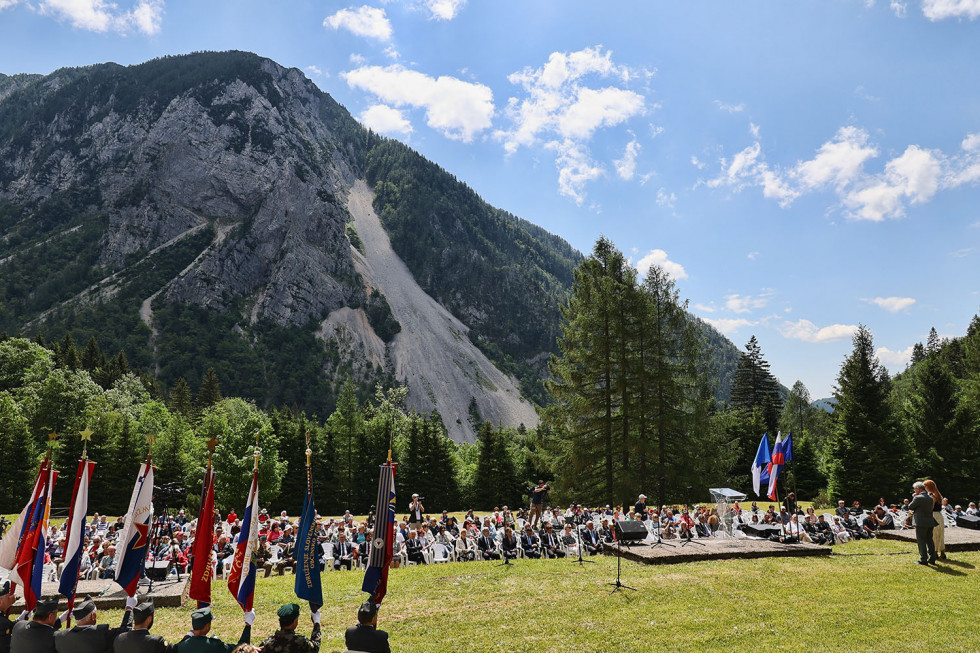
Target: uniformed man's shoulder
x=285, y=642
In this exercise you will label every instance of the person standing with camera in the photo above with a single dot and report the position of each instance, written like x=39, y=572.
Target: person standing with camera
x=415, y=511
x=537, y=501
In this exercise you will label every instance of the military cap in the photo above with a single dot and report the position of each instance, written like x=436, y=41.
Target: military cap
x=143, y=611
x=44, y=609
x=367, y=611
x=288, y=611
x=201, y=618
x=83, y=609
x=5, y=588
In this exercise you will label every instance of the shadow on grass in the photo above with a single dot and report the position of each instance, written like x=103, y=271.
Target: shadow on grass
x=958, y=563
x=948, y=572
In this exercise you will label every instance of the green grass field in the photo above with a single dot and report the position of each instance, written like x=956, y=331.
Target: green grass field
x=870, y=597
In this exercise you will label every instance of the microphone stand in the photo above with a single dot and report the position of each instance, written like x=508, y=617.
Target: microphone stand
x=579, y=534
x=618, y=585
x=660, y=539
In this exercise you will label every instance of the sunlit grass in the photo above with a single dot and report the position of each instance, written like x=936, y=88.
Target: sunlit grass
x=871, y=597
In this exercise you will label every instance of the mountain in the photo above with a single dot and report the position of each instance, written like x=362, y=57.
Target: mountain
x=826, y=405
x=219, y=210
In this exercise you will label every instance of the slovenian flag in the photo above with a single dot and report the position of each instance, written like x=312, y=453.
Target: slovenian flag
x=29, y=566
x=788, y=448
x=200, y=589
x=75, y=539
x=760, y=466
x=376, y=575
x=241, y=581
x=10, y=545
x=308, y=555
x=777, y=462
x=135, y=537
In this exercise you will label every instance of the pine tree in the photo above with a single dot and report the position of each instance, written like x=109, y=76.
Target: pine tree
x=19, y=457
x=292, y=449
x=92, y=357
x=756, y=387
x=67, y=353
x=933, y=343
x=180, y=399
x=867, y=457
x=346, y=426
x=210, y=392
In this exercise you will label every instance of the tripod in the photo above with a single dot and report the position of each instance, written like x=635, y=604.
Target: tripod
x=660, y=539
x=618, y=585
x=506, y=562
x=578, y=533
x=690, y=540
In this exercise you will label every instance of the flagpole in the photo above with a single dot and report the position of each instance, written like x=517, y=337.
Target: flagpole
x=314, y=607
x=201, y=565
x=86, y=436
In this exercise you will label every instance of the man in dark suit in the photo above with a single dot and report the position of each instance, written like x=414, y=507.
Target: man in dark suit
x=343, y=553
x=365, y=636
x=530, y=543
x=509, y=544
x=139, y=639
x=487, y=546
x=921, y=507
x=641, y=508
x=87, y=636
x=590, y=539
x=551, y=543
x=37, y=635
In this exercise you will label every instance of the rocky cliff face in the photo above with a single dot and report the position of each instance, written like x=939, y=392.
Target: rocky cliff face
x=218, y=181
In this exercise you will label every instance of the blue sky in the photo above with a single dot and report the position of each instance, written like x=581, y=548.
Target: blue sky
x=799, y=167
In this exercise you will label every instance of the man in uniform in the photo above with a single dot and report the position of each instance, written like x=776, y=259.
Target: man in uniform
x=7, y=599
x=37, y=635
x=197, y=641
x=365, y=636
x=86, y=636
x=139, y=639
x=285, y=640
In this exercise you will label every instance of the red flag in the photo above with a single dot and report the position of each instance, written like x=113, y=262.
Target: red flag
x=10, y=545
x=30, y=553
x=203, y=543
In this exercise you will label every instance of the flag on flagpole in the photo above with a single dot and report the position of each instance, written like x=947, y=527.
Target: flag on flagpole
x=307, y=553
x=776, y=464
x=376, y=574
x=133, y=543
x=760, y=466
x=75, y=529
x=200, y=589
x=33, y=543
x=241, y=580
x=788, y=448
x=11, y=543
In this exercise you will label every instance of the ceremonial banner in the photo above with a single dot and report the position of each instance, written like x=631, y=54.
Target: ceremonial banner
x=760, y=466
x=11, y=541
x=788, y=448
x=376, y=575
x=241, y=580
x=29, y=565
x=203, y=542
x=75, y=537
x=308, y=555
x=777, y=462
x=135, y=538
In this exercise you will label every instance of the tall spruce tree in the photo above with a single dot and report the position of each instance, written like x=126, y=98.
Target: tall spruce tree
x=867, y=456
x=756, y=387
x=210, y=391
x=19, y=457
x=180, y=399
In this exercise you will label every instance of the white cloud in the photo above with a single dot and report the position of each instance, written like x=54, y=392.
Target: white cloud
x=386, y=120
x=899, y=7
x=942, y=9
x=892, y=304
x=745, y=303
x=4, y=4
x=444, y=9
x=704, y=308
x=458, y=109
x=561, y=107
x=314, y=70
x=754, y=130
x=665, y=199
x=914, y=175
x=752, y=256
x=961, y=253
x=971, y=143
x=807, y=331
x=369, y=22
x=659, y=257
x=626, y=167
x=894, y=359
x=697, y=163
x=145, y=16
x=838, y=161
x=729, y=326
x=730, y=108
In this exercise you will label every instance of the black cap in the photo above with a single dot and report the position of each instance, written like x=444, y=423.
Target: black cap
x=5, y=588
x=143, y=611
x=367, y=611
x=83, y=609
x=45, y=609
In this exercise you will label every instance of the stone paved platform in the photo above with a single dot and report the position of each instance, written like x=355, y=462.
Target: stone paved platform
x=715, y=549
x=107, y=595
x=957, y=539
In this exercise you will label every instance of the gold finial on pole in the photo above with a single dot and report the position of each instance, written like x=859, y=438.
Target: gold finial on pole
x=86, y=436
x=258, y=454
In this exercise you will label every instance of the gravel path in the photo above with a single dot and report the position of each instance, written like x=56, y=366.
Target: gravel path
x=432, y=354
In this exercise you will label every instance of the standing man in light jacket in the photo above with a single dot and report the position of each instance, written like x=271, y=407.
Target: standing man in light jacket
x=921, y=507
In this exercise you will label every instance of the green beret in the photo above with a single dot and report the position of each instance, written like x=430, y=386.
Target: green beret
x=289, y=611
x=201, y=618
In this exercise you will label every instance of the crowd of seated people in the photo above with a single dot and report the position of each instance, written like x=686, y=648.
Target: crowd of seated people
x=426, y=539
